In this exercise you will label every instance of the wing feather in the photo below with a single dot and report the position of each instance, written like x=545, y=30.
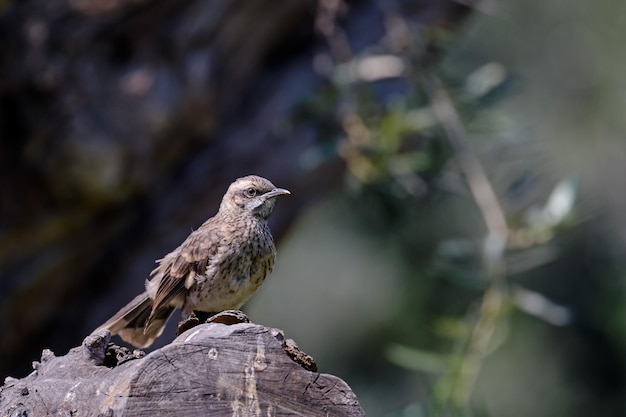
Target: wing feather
x=177, y=270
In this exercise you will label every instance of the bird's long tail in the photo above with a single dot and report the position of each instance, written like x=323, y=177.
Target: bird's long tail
x=136, y=323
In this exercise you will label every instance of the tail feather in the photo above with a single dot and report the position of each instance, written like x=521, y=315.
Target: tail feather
x=136, y=323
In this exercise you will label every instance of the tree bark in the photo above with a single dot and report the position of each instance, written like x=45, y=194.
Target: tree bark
x=212, y=369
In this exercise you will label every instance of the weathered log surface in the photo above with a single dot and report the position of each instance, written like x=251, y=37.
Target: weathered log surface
x=210, y=370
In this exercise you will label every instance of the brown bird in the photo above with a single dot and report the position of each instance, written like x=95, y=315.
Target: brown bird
x=218, y=267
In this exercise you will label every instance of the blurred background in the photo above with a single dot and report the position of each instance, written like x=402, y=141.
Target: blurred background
x=454, y=242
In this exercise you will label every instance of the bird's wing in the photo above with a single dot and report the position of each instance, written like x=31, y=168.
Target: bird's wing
x=177, y=270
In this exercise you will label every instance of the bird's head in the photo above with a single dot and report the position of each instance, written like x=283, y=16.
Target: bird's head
x=252, y=194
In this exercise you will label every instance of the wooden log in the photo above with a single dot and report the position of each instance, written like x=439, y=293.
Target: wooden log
x=212, y=369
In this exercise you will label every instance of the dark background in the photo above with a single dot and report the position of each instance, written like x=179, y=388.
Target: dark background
x=123, y=122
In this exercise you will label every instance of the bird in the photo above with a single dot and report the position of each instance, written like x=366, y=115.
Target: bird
x=218, y=267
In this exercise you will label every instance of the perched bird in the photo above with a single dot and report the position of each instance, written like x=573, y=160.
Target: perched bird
x=218, y=267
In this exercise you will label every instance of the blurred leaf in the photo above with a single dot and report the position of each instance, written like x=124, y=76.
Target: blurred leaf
x=459, y=261
x=415, y=359
x=420, y=119
x=540, y=306
x=484, y=80
x=390, y=132
x=369, y=68
x=410, y=162
x=530, y=258
x=558, y=207
x=451, y=328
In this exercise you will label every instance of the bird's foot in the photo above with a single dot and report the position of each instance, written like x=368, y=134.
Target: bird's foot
x=227, y=317
x=189, y=323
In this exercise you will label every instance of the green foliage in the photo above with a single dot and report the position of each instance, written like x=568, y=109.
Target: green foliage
x=401, y=156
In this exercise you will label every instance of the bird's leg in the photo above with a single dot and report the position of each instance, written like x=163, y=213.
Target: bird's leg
x=227, y=317
x=191, y=321
x=195, y=318
x=203, y=316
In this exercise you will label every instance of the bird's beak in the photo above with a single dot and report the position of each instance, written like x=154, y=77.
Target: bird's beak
x=276, y=192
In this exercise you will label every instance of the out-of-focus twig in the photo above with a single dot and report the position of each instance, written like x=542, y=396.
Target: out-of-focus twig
x=477, y=180
x=454, y=393
x=491, y=307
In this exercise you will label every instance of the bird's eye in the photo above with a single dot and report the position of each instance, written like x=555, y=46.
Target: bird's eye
x=250, y=192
